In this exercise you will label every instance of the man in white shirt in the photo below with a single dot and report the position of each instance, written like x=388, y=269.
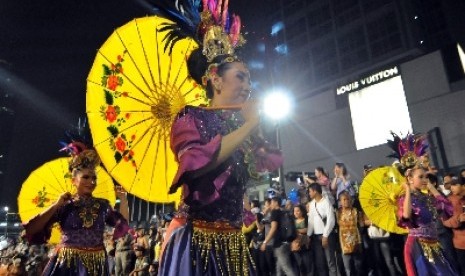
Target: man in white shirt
x=321, y=222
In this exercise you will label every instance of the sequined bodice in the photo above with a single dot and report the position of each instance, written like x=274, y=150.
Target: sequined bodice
x=229, y=206
x=424, y=209
x=82, y=222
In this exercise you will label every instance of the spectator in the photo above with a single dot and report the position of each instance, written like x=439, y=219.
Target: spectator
x=322, y=178
x=141, y=238
x=152, y=240
x=270, y=264
x=109, y=244
x=456, y=222
x=446, y=183
x=281, y=249
x=321, y=223
x=300, y=247
x=123, y=255
x=462, y=176
x=341, y=181
x=141, y=267
x=349, y=220
x=257, y=240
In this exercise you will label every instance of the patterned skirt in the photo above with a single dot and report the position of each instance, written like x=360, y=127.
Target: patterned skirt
x=201, y=248
x=78, y=261
x=426, y=257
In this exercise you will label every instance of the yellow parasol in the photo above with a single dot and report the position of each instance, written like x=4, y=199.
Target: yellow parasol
x=44, y=186
x=134, y=91
x=378, y=197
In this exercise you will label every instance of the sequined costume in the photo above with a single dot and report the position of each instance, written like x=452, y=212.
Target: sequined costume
x=81, y=250
x=422, y=252
x=205, y=236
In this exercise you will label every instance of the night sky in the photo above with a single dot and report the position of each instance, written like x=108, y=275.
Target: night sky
x=46, y=51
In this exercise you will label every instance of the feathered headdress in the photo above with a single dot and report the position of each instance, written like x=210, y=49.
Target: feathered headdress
x=208, y=22
x=78, y=144
x=408, y=150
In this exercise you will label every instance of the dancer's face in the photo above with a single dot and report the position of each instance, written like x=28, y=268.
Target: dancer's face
x=85, y=181
x=233, y=87
x=417, y=179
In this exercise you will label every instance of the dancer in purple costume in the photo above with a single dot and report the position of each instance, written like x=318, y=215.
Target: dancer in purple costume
x=218, y=148
x=82, y=219
x=418, y=210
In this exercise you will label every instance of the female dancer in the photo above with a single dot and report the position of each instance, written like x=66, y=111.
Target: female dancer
x=418, y=212
x=82, y=219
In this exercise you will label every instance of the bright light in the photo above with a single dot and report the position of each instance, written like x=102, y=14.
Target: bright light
x=277, y=105
x=6, y=208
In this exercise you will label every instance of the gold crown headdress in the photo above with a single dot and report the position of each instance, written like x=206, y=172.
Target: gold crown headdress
x=214, y=29
x=408, y=150
x=221, y=33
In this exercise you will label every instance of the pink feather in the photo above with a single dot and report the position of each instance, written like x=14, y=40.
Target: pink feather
x=225, y=13
x=235, y=30
x=219, y=8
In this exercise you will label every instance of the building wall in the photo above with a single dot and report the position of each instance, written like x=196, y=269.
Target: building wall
x=321, y=134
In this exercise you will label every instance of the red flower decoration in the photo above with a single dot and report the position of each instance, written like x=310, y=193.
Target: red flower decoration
x=131, y=153
x=124, y=94
x=133, y=137
x=110, y=114
x=127, y=115
x=214, y=70
x=112, y=82
x=120, y=144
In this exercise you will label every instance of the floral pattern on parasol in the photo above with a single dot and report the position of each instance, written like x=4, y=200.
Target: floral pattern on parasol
x=134, y=92
x=378, y=197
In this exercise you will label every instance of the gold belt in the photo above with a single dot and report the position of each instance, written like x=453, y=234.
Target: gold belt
x=217, y=226
x=225, y=243
x=430, y=248
x=93, y=259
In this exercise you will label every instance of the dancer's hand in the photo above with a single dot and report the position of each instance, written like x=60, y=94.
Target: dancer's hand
x=64, y=198
x=251, y=113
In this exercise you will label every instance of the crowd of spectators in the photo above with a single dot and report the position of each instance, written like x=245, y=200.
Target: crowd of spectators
x=335, y=237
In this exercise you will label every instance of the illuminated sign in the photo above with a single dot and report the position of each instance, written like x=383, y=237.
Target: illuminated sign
x=367, y=81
